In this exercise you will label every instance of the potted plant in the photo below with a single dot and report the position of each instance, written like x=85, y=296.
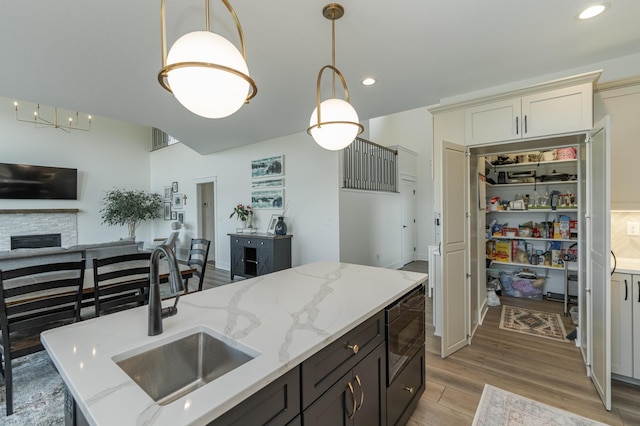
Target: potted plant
x=130, y=207
x=243, y=213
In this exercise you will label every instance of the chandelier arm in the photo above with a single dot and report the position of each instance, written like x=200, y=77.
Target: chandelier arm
x=163, y=33
x=164, y=73
x=238, y=26
x=344, y=86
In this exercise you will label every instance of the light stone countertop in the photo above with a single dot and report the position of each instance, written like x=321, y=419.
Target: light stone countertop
x=286, y=317
x=627, y=265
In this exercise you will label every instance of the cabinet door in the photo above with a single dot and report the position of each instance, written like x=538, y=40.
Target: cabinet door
x=265, y=260
x=335, y=407
x=369, y=381
x=237, y=258
x=635, y=294
x=622, y=105
x=552, y=112
x=621, y=324
x=493, y=122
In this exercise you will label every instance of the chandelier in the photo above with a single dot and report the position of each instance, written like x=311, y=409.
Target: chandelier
x=205, y=72
x=72, y=123
x=334, y=122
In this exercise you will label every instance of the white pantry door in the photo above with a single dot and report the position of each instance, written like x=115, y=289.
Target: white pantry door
x=408, y=193
x=455, y=249
x=598, y=227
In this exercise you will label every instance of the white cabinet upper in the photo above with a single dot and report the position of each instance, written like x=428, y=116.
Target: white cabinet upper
x=622, y=105
x=563, y=110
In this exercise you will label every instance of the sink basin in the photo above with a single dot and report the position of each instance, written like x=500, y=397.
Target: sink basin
x=182, y=365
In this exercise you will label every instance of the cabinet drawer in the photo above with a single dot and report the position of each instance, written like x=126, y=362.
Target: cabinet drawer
x=326, y=367
x=405, y=390
x=276, y=404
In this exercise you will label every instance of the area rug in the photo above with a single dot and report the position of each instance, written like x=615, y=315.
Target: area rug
x=534, y=323
x=38, y=393
x=498, y=407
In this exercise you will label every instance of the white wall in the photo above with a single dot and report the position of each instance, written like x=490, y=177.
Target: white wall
x=311, y=193
x=113, y=153
x=413, y=130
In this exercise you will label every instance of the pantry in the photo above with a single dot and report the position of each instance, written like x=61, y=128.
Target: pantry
x=527, y=205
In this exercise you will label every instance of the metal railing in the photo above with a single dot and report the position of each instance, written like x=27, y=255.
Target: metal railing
x=369, y=166
x=160, y=139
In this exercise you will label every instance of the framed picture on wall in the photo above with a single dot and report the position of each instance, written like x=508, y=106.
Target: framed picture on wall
x=167, y=210
x=167, y=192
x=266, y=167
x=174, y=215
x=267, y=198
x=176, y=201
x=174, y=187
x=181, y=217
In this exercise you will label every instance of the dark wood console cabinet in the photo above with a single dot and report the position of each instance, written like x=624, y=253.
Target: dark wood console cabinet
x=259, y=254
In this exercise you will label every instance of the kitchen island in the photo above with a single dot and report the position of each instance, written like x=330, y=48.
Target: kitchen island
x=283, y=318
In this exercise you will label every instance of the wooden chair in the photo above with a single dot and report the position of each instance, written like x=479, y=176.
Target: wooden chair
x=34, y=299
x=198, y=254
x=121, y=282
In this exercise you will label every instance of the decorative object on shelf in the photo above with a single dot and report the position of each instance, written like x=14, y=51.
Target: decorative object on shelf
x=177, y=202
x=205, y=72
x=281, y=227
x=131, y=208
x=244, y=214
x=73, y=122
x=271, y=228
x=174, y=187
x=340, y=125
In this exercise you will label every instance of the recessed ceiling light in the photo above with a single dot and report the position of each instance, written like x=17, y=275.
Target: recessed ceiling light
x=368, y=81
x=592, y=11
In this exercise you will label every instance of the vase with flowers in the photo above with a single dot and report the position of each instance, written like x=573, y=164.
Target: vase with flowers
x=244, y=214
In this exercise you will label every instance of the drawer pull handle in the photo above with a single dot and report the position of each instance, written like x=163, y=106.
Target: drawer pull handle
x=626, y=290
x=361, y=392
x=354, y=348
x=408, y=389
x=353, y=398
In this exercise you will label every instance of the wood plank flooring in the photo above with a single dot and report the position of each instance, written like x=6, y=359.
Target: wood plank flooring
x=540, y=369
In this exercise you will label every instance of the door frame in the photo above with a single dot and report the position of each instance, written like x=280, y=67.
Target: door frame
x=412, y=181
x=199, y=221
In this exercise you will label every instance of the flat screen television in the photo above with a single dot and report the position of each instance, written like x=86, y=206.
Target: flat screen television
x=28, y=182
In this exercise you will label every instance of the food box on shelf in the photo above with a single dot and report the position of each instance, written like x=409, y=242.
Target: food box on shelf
x=503, y=251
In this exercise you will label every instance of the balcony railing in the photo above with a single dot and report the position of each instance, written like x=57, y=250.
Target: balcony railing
x=369, y=166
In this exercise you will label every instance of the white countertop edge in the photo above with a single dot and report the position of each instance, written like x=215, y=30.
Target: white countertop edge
x=263, y=371
x=627, y=265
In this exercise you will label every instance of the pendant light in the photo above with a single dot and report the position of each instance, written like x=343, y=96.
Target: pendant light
x=334, y=123
x=205, y=72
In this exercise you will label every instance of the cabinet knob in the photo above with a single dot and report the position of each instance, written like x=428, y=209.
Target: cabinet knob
x=408, y=389
x=249, y=242
x=354, y=348
x=261, y=243
x=237, y=241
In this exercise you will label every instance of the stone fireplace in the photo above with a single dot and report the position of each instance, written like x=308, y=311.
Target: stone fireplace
x=35, y=222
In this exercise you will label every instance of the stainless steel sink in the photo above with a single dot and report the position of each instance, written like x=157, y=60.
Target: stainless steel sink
x=182, y=365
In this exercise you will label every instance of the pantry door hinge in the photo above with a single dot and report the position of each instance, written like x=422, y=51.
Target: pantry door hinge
x=468, y=153
x=468, y=275
x=587, y=216
x=588, y=140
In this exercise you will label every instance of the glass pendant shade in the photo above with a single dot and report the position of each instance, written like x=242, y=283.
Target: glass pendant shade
x=339, y=124
x=208, y=92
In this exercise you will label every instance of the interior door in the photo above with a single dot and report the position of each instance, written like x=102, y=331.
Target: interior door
x=598, y=227
x=408, y=193
x=455, y=249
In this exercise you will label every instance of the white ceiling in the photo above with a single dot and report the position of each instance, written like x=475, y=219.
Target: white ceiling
x=102, y=57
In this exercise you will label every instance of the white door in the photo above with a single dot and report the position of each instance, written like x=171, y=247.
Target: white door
x=598, y=228
x=455, y=249
x=206, y=215
x=408, y=193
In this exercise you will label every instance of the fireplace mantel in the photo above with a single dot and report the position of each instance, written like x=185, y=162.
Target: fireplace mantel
x=30, y=211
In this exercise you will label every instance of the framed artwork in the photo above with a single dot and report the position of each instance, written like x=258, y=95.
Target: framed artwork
x=167, y=192
x=267, y=183
x=176, y=201
x=167, y=210
x=267, y=198
x=174, y=187
x=181, y=217
x=271, y=228
x=266, y=167
x=174, y=215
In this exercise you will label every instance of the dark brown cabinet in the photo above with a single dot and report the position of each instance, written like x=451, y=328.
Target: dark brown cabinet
x=403, y=394
x=357, y=398
x=259, y=254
